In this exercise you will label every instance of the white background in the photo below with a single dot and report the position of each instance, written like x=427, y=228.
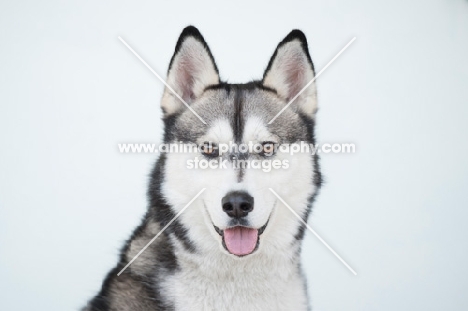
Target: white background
x=396, y=210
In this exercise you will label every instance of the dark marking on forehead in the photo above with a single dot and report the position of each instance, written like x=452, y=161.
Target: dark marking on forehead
x=241, y=157
x=238, y=118
x=238, y=94
x=250, y=86
x=240, y=174
x=239, y=91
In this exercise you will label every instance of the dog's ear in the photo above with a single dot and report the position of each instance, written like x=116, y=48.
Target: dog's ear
x=191, y=70
x=290, y=69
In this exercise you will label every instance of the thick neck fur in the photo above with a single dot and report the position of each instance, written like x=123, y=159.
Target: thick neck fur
x=206, y=279
x=262, y=282
x=210, y=279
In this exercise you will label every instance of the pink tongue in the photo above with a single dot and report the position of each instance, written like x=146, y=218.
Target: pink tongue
x=240, y=240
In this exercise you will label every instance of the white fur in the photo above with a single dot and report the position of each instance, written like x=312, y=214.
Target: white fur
x=213, y=279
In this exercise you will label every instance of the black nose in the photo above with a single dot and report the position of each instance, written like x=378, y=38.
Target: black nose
x=237, y=204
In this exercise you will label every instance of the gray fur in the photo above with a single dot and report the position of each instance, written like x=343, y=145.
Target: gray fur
x=188, y=267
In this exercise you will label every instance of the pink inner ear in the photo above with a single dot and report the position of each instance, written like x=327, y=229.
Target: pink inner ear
x=185, y=80
x=295, y=75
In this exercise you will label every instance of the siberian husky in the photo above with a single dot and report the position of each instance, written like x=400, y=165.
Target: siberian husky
x=237, y=246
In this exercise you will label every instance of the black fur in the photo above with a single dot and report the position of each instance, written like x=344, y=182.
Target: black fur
x=318, y=178
x=162, y=210
x=249, y=86
x=238, y=121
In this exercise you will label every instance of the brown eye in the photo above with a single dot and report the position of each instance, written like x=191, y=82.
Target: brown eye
x=209, y=149
x=268, y=148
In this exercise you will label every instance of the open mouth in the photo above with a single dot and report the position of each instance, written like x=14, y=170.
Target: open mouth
x=240, y=240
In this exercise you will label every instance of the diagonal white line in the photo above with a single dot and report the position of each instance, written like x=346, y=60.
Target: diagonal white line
x=312, y=81
x=313, y=231
x=160, y=232
x=161, y=79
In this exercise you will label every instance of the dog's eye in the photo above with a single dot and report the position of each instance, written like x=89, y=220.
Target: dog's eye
x=209, y=149
x=268, y=148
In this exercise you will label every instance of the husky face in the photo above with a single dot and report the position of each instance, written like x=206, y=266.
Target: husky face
x=236, y=244
x=236, y=213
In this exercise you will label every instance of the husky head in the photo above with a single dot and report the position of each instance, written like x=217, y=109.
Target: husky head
x=237, y=214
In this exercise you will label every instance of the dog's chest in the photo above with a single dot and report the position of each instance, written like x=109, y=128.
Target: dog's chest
x=255, y=288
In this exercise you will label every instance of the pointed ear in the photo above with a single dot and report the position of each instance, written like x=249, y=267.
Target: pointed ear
x=290, y=69
x=192, y=68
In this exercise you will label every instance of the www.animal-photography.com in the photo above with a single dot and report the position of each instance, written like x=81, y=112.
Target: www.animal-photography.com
x=251, y=156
